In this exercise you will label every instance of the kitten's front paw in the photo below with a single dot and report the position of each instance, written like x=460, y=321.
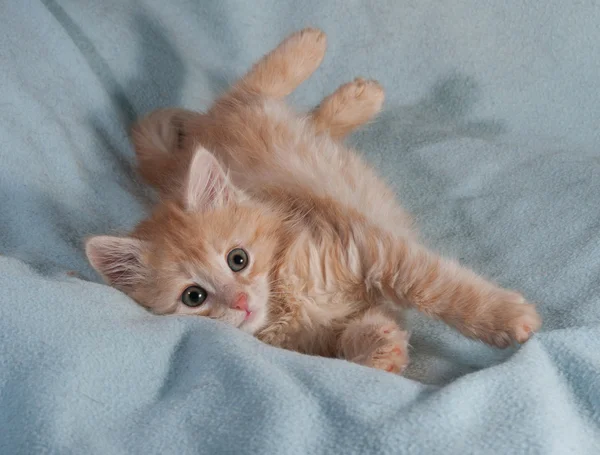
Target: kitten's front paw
x=392, y=354
x=357, y=101
x=367, y=93
x=510, y=319
x=308, y=46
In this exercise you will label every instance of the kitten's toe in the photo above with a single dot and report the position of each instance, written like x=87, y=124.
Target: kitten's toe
x=367, y=92
x=308, y=45
x=390, y=353
x=525, y=324
x=512, y=320
x=357, y=101
x=312, y=35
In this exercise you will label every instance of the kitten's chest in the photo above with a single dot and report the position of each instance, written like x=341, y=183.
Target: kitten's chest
x=322, y=284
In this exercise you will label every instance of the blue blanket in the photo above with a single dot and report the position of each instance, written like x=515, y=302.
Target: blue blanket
x=490, y=136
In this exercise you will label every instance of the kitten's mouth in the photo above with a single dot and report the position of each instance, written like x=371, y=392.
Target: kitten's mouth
x=248, y=315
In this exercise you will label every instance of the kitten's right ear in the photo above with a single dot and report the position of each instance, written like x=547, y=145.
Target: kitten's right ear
x=118, y=259
x=207, y=186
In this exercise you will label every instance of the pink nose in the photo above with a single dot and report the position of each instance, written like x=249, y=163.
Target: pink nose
x=240, y=302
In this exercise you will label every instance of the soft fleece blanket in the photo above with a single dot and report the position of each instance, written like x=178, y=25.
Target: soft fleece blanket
x=490, y=136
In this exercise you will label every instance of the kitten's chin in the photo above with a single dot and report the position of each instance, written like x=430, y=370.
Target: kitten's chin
x=255, y=321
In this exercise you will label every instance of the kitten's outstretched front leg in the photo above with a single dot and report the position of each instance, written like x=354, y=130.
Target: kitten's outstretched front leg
x=447, y=291
x=375, y=340
x=283, y=69
x=350, y=106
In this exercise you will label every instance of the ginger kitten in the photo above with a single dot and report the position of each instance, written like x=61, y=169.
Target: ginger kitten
x=268, y=222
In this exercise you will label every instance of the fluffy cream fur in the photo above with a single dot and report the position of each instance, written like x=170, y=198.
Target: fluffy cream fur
x=331, y=255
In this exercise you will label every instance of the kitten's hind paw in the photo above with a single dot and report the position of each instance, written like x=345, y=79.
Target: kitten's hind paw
x=375, y=340
x=392, y=358
x=392, y=353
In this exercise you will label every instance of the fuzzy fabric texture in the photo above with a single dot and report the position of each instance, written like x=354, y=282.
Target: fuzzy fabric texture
x=489, y=134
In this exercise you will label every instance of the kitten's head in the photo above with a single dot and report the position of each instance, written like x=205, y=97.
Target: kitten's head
x=210, y=256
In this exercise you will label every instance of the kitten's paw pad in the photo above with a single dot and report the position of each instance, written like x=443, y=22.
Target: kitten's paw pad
x=390, y=357
x=390, y=353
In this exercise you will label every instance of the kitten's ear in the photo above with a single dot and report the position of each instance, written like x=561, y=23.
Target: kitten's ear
x=207, y=186
x=118, y=260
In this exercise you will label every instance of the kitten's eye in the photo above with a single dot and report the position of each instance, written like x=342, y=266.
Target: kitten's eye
x=237, y=259
x=194, y=296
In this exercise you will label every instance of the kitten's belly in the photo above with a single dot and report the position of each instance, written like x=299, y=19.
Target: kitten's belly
x=294, y=158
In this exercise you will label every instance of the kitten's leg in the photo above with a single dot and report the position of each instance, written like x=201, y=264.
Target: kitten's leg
x=445, y=290
x=160, y=132
x=157, y=138
x=350, y=106
x=375, y=340
x=283, y=69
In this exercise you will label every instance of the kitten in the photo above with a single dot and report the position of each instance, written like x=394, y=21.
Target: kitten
x=283, y=232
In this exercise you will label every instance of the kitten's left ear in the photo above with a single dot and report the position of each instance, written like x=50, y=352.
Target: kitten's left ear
x=207, y=186
x=120, y=260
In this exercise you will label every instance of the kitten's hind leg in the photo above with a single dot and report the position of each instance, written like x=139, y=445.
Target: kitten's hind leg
x=283, y=69
x=350, y=106
x=375, y=340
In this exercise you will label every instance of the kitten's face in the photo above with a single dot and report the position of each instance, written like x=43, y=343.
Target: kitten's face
x=215, y=264
x=211, y=256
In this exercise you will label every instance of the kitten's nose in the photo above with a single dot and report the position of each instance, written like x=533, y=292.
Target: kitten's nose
x=240, y=302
